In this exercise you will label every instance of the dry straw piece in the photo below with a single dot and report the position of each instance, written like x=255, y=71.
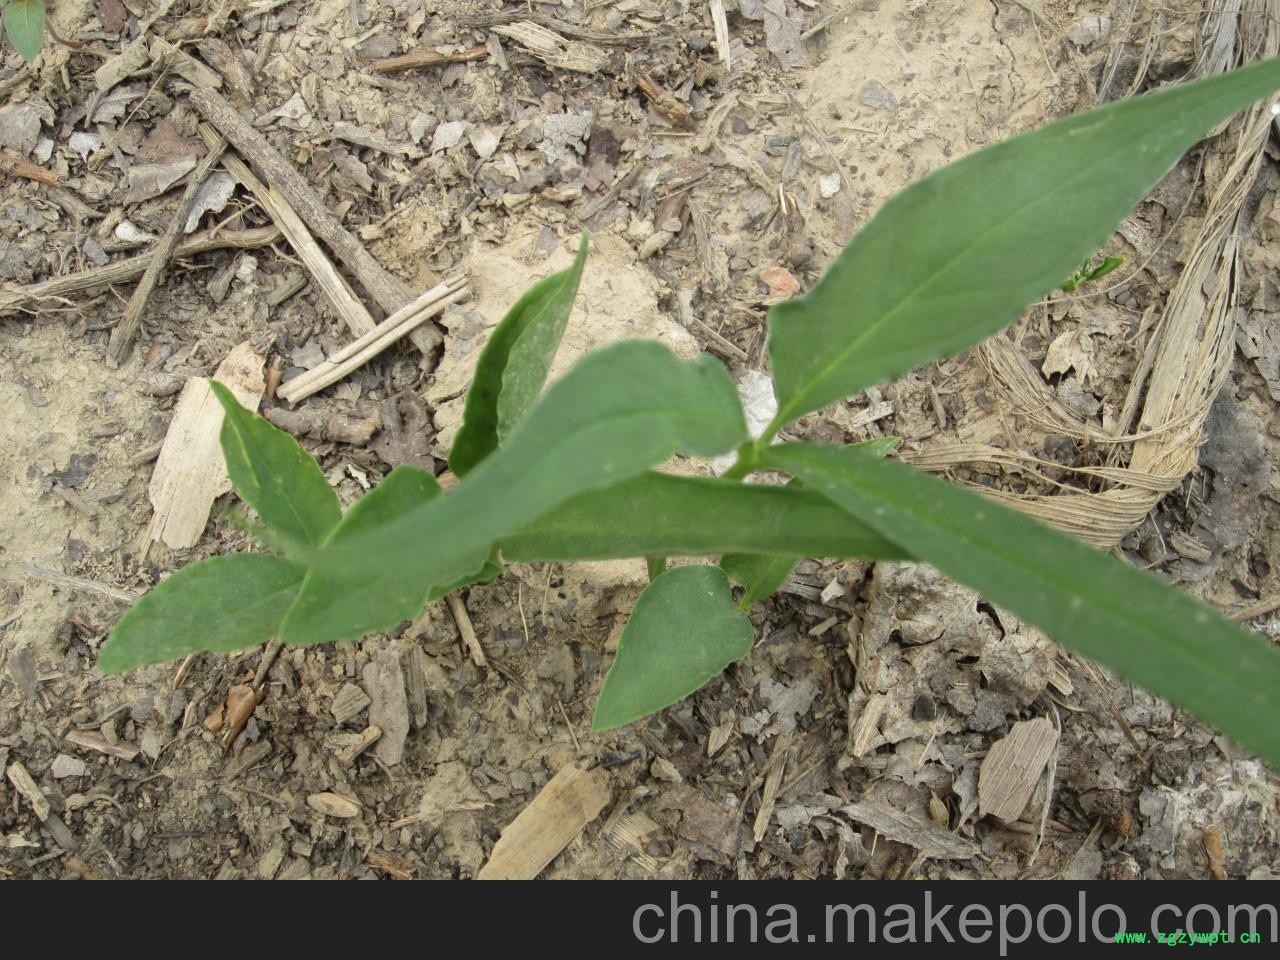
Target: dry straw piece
x=553, y=49
x=1188, y=356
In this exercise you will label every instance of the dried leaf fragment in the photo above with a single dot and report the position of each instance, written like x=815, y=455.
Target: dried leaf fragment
x=1012, y=767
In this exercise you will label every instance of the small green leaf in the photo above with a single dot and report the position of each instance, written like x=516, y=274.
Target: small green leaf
x=683, y=631
x=24, y=23
x=1145, y=630
x=403, y=489
x=491, y=570
x=1107, y=265
x=513, y=365
x=617, y=412
x=955, y=257
x=221, y=604
x=275, y=476
x=657, y=514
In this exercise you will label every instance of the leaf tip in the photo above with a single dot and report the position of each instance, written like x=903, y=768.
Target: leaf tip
x=224, y=395
x=112, y=659
x=603, y=724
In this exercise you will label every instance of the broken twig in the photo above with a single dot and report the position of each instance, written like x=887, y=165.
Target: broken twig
x=14, y=164
x=468, y=632
x=122, y=336
x=340, y=294
x=387, y=290
x=125, y=270
x=425, y=56
x=361, y=351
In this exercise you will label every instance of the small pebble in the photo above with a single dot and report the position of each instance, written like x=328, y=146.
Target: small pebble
x=64, y=766
x=876, y=95
x=664, y=769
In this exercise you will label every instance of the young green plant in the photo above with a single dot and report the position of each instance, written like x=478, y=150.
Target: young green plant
x=567, y=473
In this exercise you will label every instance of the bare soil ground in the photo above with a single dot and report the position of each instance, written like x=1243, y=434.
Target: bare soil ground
x=849, y=743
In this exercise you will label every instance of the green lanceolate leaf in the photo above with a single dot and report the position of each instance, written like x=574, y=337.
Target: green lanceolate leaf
x=275, y=476
x=24, y=23
x=954, y=258
x=489, y=570
x=683, y=631
x=221, y=604
x=619, y=411
x=1145, y=630
x=401, y=491
x=761, y=575
x=657, y=514
x=513, y=365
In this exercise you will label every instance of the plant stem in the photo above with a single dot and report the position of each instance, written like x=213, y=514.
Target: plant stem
x=745, y=463
x=657, y=567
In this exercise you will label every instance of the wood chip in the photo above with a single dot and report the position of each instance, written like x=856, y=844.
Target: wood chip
x=631, y=832
x=865, y=729
x=721, y=25
x=334, y=805
x=123, y=271
x=570, y=800
x=710, y=828
x=397, y=868
x=389, y=707
x=351, y=133
x=553, y=49
x=92, y=740
x=10, y=162
x=166, y=55
x=122, y=66
x=362, y=742
x=1060, y=680
x=416, y=675
x=665, y=102
x=720, y=734
x=347, y=703
x=856, y=420
x=190, y=473
x=1190, y=547
x=1212, y=840
x=21, y=779
x=930, y=840
x=1012, y=767
x=772, y=783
